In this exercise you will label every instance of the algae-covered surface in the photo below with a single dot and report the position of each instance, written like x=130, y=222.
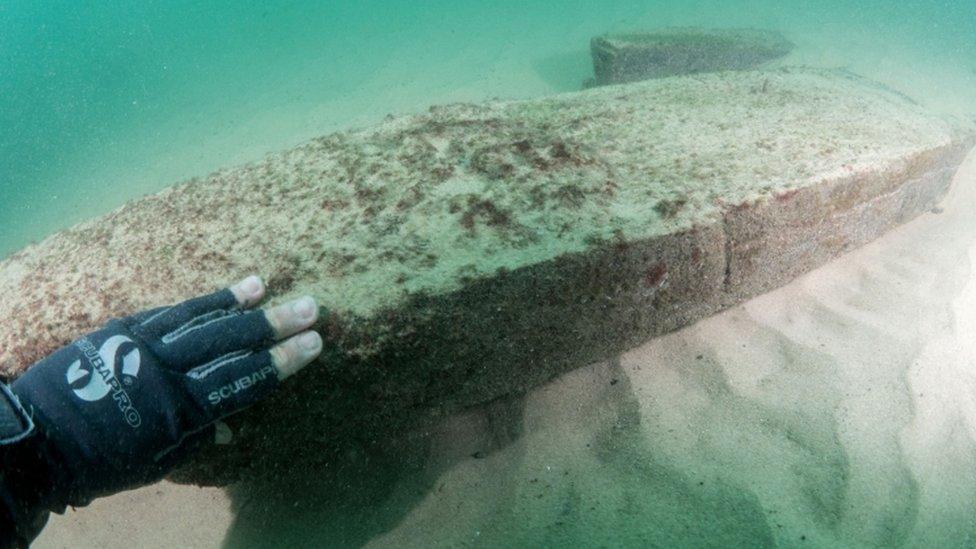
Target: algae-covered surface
x=452, y=246
x=423, y=203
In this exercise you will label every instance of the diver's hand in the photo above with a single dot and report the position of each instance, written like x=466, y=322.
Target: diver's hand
x=122, y=406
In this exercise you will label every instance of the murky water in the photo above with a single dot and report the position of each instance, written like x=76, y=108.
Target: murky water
x=104, y=103
x=838, y=411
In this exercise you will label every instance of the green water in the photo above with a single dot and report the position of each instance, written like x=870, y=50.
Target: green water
x=103, y=103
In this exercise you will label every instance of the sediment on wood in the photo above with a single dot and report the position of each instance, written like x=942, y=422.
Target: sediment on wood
x=476, y=251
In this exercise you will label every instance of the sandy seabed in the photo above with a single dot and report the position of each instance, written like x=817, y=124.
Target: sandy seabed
x=838, y=410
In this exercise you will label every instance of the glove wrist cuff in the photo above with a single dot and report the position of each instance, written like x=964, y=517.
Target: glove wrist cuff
x=27, y=485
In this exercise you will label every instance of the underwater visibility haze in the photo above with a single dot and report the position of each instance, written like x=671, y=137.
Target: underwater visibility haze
x=838, y=410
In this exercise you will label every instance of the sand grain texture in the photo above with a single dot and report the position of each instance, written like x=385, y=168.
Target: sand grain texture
x=480, y=250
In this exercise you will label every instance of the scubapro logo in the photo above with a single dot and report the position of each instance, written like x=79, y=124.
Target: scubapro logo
x=97, y=379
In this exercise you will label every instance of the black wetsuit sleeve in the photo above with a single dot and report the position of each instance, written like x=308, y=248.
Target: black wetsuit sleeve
x=24, y=482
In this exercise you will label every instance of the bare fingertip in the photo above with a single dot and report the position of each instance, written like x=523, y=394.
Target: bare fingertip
x=249, y=290
x=296, y=353
x=252, y=285
x=311, y=343
x=305, y=308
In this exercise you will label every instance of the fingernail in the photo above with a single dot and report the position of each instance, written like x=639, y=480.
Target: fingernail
x=251, y=285
x=304, y=308
x=310, y=341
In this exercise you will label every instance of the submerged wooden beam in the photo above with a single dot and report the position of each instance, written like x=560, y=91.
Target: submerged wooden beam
x=630, y=57
x=477, y=251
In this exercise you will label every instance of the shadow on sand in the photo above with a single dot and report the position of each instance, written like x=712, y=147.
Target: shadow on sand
x=369, y=490
x=592, y=476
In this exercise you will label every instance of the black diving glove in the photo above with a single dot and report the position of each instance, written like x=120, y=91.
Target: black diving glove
x=121, y=407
